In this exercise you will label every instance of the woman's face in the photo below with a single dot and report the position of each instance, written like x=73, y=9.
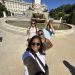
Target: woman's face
x=41, y=34
x=35, y=45
x=33, y=24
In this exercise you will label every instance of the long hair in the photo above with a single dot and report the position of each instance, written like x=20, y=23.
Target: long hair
x=35, y=26
x=34, y=22
x=30, y=42
x=48, y=24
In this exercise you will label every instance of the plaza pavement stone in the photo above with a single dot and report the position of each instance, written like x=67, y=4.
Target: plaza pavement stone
x=13, y=46
x=11, y=50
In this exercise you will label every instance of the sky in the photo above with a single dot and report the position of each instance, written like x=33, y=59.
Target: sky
x=51, y=4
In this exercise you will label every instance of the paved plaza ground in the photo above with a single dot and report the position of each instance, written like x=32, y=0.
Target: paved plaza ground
x=60, y=58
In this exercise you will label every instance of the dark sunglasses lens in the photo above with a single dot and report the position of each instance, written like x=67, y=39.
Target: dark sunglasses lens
x=40, y=34
x=33, y=23
x=38, y=44
x=33, y=44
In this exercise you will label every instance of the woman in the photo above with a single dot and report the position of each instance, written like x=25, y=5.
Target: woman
x=34, y=58
x=32, y=30
x=46, y=42
x=49, y=30
x=50, y=27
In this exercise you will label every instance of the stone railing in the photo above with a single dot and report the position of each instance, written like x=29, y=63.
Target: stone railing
x=65, y=32
x=12, y=28
x=23, y=31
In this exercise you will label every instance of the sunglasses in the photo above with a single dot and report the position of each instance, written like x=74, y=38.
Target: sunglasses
x=40, y=34
x=33, y=44
x=33, y=23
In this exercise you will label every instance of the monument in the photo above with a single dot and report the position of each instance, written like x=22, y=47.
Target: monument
x=38, y=14
x=4, y=14
x=36, y=5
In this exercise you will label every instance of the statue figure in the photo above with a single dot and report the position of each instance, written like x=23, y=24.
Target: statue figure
x=36, y=4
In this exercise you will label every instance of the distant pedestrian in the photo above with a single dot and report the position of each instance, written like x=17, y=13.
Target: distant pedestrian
x=32, y=30
x=46, y=42
x=49, y=30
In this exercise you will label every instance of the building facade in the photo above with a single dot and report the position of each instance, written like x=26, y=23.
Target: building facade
x=17, y=7
x=0, y=1
x=20, y=6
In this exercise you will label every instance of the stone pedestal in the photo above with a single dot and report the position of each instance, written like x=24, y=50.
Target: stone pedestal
x=36, y=5
x=4, y=14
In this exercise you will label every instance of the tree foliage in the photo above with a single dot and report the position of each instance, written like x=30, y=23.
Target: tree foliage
x=64, y=11
x=3, y=8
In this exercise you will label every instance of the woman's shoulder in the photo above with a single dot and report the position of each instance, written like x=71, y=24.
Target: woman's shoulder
x=25, y=55
x=29, y=60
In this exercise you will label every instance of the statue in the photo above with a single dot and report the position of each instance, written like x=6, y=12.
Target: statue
x=36, y=4
x=4, y=14
x=37, y=1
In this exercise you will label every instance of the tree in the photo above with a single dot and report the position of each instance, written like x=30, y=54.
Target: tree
x=72, y=17
x=61, y=14
x=67, y=12
x=68, y=8
x=3, y=8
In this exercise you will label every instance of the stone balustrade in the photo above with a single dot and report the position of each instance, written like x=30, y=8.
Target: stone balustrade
x=22, y=31
x=12, y=28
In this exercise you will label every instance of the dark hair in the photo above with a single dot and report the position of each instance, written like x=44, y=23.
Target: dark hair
x=40, y=31
x=34, y=22
x=48, y=24
x=41, y=45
